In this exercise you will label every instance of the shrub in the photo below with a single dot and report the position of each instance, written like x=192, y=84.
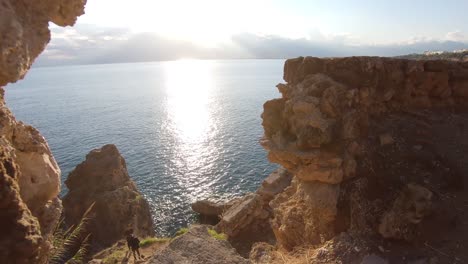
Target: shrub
x=219, y=236
x=181, y=231
x=72, y=245
x=151, y=240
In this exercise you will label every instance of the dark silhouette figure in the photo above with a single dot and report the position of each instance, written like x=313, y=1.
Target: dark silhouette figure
x=133, y=243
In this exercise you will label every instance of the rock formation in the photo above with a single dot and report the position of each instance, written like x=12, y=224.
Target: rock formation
x=345, y=127
x=251, y=212
x=103, y=178
x=21, y=236
x=24, y=34
x=209, y=208
x=198, y=247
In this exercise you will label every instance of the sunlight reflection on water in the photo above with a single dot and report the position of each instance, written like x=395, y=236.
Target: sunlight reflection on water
x=189, y=87
x=188, y=130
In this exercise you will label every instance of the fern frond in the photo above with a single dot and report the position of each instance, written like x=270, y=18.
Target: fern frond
x=75, y=243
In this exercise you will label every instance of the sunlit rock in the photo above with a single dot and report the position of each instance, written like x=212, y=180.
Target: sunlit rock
x=318, y=131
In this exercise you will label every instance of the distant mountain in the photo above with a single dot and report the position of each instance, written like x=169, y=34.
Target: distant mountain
x=457, y=55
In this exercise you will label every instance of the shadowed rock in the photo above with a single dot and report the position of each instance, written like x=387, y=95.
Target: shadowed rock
x=103, y=178
x=317, y=130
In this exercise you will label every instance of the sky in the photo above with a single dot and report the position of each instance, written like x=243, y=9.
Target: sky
x=115, y=31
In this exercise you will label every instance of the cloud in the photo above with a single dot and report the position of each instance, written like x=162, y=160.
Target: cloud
x=456, y=36
x=87, y=44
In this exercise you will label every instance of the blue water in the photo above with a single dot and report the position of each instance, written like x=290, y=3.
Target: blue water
x=188, y=129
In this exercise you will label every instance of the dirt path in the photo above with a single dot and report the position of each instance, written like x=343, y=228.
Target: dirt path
x=119, y=254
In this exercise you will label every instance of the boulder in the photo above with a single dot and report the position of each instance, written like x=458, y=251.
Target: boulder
x=208, y=208
x=275, y=183
x=241, y=215
x=251, y=212
x=413, y=204
x=103, y=179
x=197, y=246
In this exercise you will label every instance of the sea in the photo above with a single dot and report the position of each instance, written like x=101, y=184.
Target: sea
x=188, y=129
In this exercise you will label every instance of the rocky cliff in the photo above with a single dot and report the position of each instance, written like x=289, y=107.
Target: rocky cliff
x=31, y=176
x=372, y=144
x=103, y=179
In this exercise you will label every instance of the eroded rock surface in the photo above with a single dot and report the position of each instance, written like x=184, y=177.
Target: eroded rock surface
x=103, y=178
x=24, y=33
x=251, y=212
x=318, y=131
x=198, y=247
x=412, y=205
x=21, y=239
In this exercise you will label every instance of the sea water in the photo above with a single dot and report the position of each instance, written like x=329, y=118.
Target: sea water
x=188, y=129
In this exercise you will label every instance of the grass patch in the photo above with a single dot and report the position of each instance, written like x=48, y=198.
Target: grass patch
x=219, y=236
x=181, y=231
x=151, y=240
x=115, y=257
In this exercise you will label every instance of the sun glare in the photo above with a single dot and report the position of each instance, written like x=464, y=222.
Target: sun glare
x=205, y=22
x=188, y=87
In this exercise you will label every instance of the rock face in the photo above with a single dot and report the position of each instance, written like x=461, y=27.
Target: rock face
x=34, y=212
x=103, y=178
x=24, y=31
x=251, y=212
x=21, y=237
x=212, y=209
x=198, y=247
x=317, y=129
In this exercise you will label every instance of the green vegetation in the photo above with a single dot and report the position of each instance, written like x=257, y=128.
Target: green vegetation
x=72, y=246
x=181, y=231
x=151, y=240
x=219, y=236
x=442, y=55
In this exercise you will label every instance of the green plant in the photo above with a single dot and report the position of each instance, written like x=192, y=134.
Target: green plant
x=72, y=246
x=219, y=236
x=181, y=231
x=151, y=240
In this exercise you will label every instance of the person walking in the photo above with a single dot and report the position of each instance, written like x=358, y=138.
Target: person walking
x=133, y=244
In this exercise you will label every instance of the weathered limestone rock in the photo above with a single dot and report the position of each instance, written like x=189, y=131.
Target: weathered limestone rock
x=274, y=184
x=24, y=31
x=198, y=247
x=304, y=213
x=208, y=208
x=21, y=240
x=103, y=178
x=24, y=34
x=315, y=129
x=252, y=211
x=409, y=209
x=39, y=180
x=239, y=216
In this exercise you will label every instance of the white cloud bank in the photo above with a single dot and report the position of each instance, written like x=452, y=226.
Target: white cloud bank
x=86, y=44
